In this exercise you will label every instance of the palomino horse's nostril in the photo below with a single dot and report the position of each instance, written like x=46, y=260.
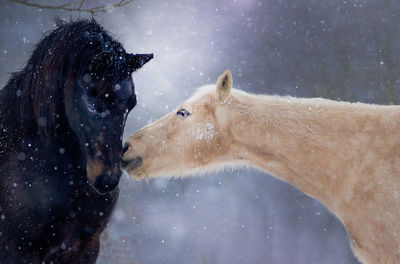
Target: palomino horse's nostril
x=125, y=148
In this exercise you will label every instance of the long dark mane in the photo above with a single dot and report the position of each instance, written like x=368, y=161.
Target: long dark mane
x=61, y=124
x=32, y=98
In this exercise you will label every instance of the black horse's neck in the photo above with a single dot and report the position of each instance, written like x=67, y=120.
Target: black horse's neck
x=19, y=126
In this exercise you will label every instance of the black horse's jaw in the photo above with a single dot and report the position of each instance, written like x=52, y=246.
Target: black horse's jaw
x=104, y=184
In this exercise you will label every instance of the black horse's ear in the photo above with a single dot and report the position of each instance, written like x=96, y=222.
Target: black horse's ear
x=136, y=61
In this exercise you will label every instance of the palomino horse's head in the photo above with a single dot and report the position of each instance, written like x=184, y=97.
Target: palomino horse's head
x=193, y=137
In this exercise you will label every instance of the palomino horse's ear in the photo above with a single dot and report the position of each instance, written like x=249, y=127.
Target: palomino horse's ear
x=224, y=85
x=136, y=61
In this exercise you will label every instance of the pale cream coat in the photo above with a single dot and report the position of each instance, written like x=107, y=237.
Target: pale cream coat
x=346, y=155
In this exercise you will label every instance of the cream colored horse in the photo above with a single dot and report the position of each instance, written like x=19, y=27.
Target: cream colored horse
x=346, y=155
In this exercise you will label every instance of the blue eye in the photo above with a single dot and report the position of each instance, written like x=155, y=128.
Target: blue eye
x=183, y=113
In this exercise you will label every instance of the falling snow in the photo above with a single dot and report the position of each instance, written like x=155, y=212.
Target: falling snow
x=298, y=48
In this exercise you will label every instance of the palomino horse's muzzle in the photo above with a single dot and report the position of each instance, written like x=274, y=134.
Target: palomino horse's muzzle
x=131, y=164
x=125, y=148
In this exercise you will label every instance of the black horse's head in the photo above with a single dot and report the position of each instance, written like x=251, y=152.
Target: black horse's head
x=97, y=108
x=98, y=105
x=84, y=96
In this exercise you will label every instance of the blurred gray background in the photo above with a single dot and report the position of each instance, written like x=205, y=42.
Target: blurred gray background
x=343, y=50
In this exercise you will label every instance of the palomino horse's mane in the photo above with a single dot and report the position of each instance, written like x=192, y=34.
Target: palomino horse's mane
x=259, y=100
x=279, y=99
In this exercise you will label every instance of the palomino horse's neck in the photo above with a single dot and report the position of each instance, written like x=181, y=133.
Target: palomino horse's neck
x=316, y=145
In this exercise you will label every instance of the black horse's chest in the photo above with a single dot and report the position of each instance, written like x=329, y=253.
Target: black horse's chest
x=50, y=202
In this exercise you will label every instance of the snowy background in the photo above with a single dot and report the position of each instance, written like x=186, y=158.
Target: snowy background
x=344, y=50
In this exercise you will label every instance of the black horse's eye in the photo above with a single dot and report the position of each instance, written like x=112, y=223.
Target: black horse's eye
x=183, y=113
x=91, y=108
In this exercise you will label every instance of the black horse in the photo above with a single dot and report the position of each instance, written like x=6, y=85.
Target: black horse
x=61, y=124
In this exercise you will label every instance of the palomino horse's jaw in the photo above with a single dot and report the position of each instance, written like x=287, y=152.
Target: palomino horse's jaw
x=133, y=166
x=134, y=156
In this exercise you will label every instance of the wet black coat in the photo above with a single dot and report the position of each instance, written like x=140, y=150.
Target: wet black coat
x=68, y=105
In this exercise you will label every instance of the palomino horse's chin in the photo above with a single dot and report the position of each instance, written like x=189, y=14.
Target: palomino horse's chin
x=132, y=164
x=136, y=174
x=133, y=167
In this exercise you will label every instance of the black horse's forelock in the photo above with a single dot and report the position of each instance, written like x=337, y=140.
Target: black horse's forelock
x=35, y=95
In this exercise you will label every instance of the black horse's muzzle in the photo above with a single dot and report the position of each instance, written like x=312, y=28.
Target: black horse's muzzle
x=105, y=183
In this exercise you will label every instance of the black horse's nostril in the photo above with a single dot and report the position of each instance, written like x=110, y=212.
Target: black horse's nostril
x=125, y=148
x=104, y=183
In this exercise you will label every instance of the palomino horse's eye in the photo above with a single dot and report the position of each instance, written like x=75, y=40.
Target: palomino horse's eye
x=183, y=113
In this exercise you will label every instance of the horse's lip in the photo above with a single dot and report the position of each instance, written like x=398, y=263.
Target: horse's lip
x=124, y=163
x=132, y=164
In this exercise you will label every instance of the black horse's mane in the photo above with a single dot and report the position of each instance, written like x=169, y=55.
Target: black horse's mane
x=33, y=99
